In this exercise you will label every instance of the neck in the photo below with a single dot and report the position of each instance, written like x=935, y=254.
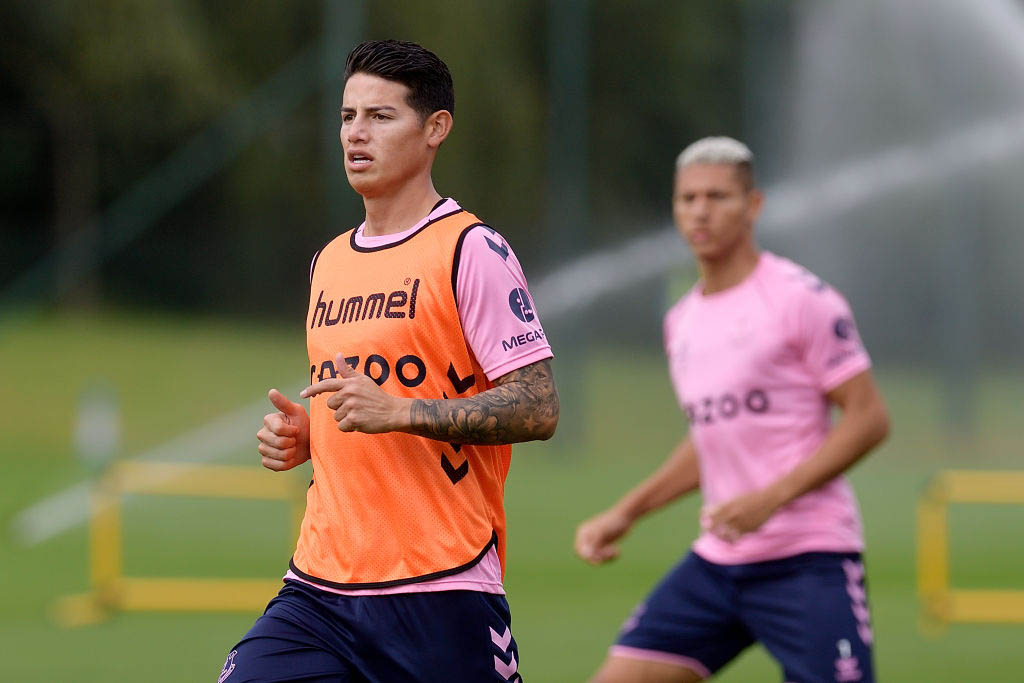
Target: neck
x=728, y=271
x=391, y=213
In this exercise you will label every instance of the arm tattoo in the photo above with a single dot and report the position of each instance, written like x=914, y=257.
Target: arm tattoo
x=523, y=406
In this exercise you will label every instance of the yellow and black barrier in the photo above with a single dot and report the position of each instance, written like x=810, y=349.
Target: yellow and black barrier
x=112, y=591
x=942, y=603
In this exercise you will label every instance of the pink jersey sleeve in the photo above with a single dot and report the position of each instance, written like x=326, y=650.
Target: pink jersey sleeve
x=498, y=318
x=832, y=349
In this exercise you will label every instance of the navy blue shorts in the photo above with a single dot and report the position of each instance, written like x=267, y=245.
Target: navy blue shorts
x=312, y=635
x=809, y=611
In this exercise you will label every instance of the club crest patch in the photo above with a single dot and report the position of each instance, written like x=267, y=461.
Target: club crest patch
x=229, y=666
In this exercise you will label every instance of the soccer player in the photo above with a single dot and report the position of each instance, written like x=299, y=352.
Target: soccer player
x=427, y=359
x=758, y=351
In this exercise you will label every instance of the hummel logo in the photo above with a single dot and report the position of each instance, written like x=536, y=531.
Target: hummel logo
x=500, y=250
x=501, y=641
x=455, y=474
x=461, y=384
x=506, y=670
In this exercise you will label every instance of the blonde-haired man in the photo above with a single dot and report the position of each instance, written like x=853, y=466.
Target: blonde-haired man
x=759, y=350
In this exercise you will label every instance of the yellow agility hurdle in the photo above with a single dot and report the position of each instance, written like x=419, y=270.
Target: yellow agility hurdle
x=941, y=603
x=112, y=591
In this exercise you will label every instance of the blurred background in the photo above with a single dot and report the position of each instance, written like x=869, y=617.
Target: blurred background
x=167, y=170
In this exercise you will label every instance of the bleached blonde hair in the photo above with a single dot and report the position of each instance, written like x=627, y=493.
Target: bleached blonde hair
x=719, y=150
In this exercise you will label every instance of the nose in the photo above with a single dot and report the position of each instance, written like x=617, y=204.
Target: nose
x=700, y=207
x=356, y=131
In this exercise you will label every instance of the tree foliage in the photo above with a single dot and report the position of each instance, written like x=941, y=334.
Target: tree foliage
x=94, y=95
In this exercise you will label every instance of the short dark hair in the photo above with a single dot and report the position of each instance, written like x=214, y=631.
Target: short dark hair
x=414, y=66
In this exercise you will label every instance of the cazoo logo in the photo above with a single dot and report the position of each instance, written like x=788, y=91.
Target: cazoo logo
x=711, y=409
x=409, y=370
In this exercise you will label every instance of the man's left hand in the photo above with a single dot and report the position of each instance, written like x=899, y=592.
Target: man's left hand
x=742, y=515
x=360, y=405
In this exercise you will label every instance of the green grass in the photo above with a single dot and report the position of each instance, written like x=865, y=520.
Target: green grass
x=172, y=374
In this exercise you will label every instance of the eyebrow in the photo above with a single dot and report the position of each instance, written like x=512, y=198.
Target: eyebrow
x=376, y=108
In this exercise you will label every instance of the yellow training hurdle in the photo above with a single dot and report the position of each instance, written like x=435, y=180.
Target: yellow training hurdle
x=112, y=591
x=941, y=603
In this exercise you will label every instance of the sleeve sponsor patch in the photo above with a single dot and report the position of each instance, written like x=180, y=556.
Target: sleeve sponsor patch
x=522, y=339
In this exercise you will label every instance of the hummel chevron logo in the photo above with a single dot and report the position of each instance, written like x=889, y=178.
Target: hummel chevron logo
x=460, y=384
x=506, y=670
x=501, y=250
x=501, y=641
x=503, y=669
x=454, y=473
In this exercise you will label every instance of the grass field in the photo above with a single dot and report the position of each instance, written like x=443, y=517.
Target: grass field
x=174, y=374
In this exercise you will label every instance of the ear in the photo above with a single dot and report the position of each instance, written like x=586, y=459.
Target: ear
x=437, y=126
x=756, y=203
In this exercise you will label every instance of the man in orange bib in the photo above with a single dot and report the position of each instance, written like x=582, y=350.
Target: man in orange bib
x=427, y=360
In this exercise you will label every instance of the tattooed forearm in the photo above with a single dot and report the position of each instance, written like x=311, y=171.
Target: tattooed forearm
x=523, y=406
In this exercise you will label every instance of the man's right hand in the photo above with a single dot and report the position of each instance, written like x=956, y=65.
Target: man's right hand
x=284, y=438
x=596, y=538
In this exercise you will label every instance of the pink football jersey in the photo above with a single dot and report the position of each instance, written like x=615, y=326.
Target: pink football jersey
x=751, y=366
